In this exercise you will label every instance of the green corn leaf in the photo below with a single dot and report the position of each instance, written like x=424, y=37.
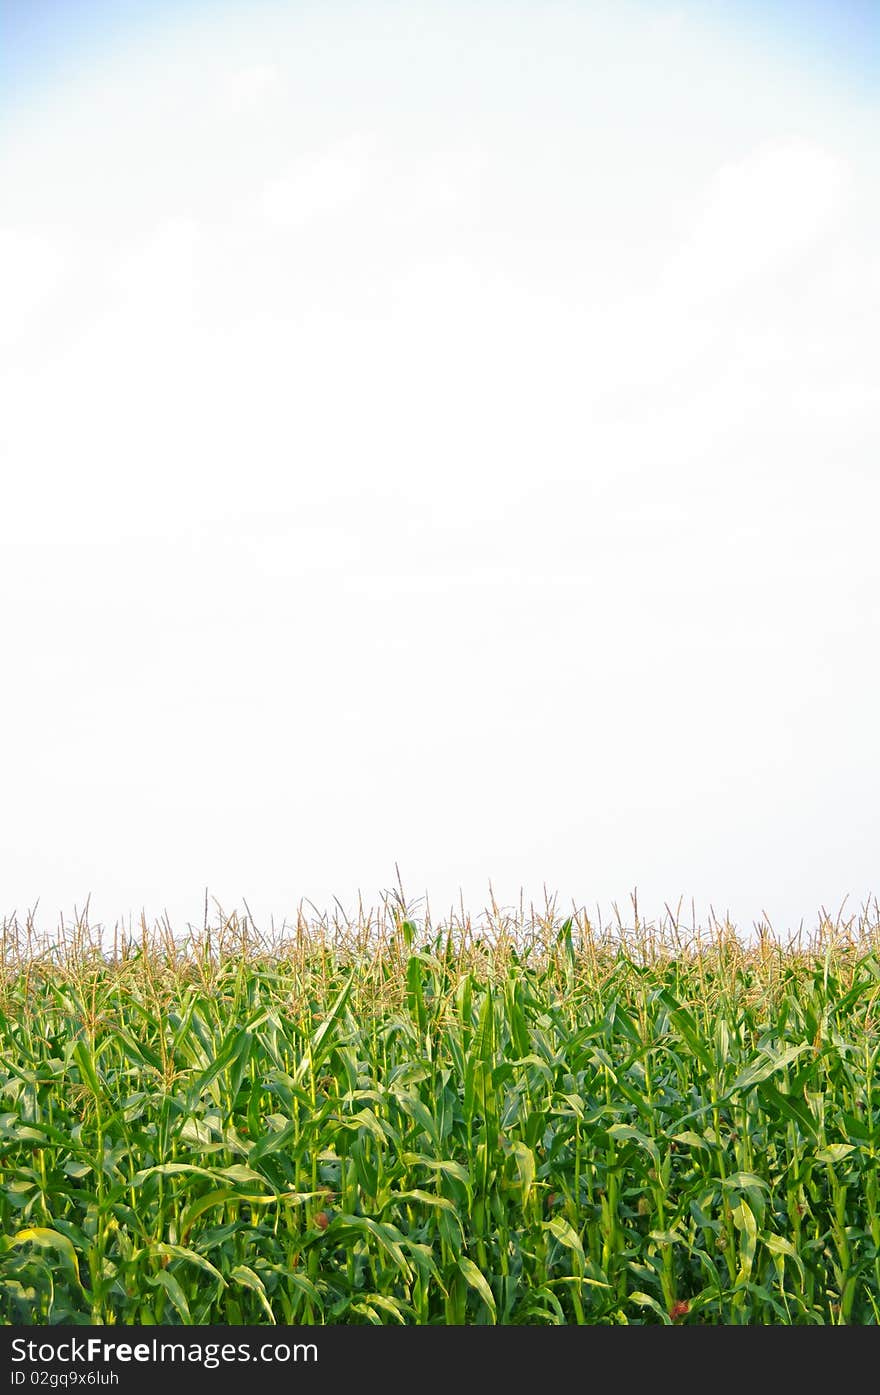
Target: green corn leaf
x=761, y=1070
x=473, y=1277
x=165, y=1279
x=190, y=1256
x=246, y=1277
x=566, y=1234
x=47, y=1238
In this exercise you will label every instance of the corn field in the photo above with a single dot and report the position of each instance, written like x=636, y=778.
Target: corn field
x=523, y=1122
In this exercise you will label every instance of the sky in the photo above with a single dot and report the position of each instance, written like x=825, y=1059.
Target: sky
x=439, y=438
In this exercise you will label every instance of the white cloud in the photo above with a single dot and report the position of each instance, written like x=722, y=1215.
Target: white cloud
x=252, y=87
x=317, y=184
x=32, y=266
x=160, y=266
x=758, y=214
x=446, y=180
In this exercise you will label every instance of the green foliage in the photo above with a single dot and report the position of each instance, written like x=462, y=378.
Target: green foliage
x=451, y=1133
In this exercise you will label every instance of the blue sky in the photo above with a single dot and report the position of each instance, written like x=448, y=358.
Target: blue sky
x=836, y=34
x=836, y=39
x=841, y=35
x=39, y=34
x=441, y=435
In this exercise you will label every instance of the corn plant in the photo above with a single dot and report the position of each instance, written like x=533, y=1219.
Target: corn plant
x=390, y=1123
